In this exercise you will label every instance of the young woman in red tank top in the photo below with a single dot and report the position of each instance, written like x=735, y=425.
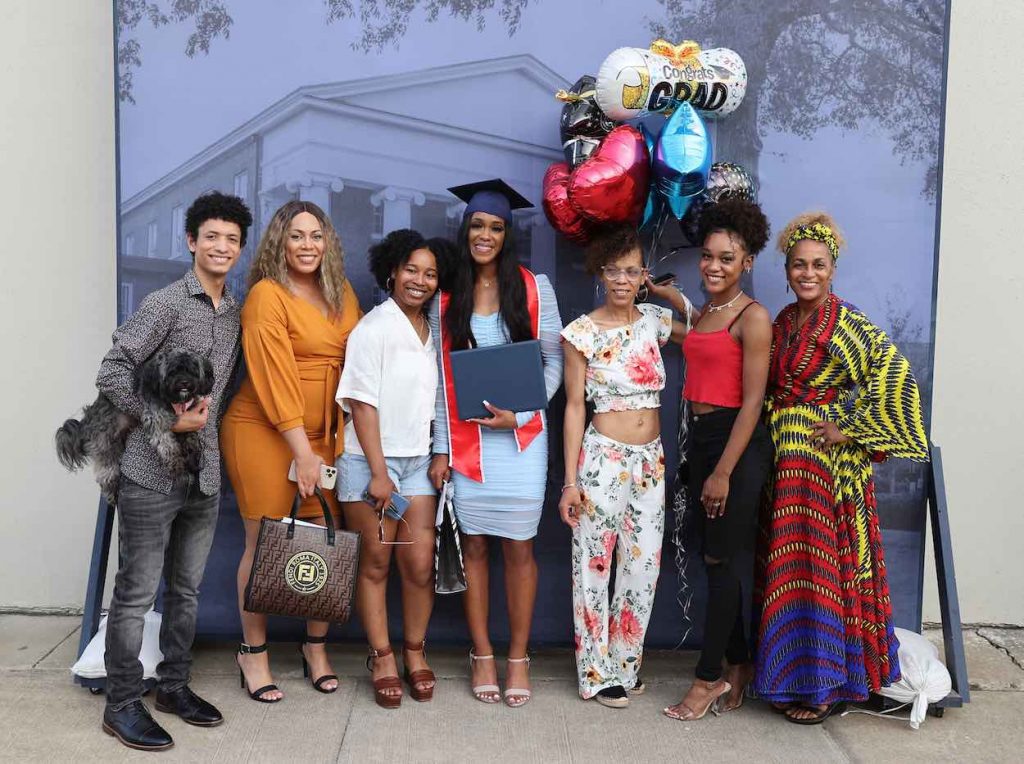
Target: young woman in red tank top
x=729, y=454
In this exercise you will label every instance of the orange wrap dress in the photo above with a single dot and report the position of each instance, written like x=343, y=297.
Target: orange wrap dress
x=293, y=357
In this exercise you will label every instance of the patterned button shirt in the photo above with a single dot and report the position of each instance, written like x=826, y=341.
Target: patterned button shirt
x=181, y=315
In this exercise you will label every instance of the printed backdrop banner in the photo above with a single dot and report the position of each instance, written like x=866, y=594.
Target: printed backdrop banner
x=372, y=109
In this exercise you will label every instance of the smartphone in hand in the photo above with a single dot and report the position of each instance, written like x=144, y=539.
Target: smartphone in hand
x=663, y=278
x=328, y=475
x=395, y=509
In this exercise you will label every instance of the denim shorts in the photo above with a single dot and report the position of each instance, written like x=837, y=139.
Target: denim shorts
x=409, y=474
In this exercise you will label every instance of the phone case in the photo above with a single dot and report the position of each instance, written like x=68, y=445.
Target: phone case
x=395, y=509
x=328, y=475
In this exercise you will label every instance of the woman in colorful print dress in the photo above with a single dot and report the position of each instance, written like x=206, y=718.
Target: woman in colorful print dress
x=615, y=502
x=840, y=396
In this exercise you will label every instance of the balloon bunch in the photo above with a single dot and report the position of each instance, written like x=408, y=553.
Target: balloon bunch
x=620, y=174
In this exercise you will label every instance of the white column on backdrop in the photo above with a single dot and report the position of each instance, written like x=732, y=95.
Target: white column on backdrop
x=397, y=204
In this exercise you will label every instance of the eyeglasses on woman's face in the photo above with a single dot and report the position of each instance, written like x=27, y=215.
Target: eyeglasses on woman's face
x=614, y=273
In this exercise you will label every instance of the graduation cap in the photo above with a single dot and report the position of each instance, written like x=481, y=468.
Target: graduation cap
x=495, y=197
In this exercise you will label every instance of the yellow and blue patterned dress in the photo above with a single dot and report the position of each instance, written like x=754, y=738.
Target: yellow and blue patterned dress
x=825, y=632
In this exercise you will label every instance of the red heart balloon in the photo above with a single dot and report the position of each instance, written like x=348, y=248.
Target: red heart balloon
x=611, y=186
x=563, y=216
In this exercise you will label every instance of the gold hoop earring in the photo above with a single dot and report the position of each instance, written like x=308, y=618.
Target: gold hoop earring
x=645, y=295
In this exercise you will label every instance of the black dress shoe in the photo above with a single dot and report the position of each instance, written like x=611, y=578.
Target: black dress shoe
x=134, y=727
x=189, y=706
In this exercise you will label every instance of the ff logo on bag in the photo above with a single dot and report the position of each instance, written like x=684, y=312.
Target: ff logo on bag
x=306, y=572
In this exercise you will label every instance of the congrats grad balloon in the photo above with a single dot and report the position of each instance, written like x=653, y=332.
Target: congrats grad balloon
x=633, y=82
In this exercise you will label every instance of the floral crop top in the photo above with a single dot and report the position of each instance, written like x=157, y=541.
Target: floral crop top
x=624, y=367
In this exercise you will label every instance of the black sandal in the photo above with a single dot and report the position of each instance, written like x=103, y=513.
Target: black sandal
x=257, y=695
x=820, y=714
x=318, y=685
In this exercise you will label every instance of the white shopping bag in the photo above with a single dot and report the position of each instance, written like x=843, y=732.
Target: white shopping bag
x=924, y=678
x=91, y=666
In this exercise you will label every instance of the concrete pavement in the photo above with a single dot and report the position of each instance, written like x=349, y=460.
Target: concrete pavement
x=45, y=717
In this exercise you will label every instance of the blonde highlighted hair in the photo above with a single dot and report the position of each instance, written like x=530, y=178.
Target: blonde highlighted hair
x=809, y=220
x=270, y=263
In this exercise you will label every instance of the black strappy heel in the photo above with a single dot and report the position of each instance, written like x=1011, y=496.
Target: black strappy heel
x=318, y=685
x=257, y=695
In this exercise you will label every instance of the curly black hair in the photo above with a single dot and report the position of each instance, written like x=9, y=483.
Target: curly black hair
x=217, y=206
x=394, y=250
x=609, y=245
x=736, y=216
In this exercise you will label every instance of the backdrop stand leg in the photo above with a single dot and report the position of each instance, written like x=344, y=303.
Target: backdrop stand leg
x=94, y=586
x=949, y=602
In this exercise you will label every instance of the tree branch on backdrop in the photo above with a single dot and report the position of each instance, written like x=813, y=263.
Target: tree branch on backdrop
x=209, y=18
x=382, y=22
x=385, y=22
x=828, y=63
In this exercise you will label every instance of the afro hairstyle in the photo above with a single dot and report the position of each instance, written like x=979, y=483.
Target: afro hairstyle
x=394, y=250
x=736, y=216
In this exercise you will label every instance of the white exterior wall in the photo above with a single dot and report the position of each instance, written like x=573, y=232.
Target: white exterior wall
x=977, y=415
x=59, y=292
x=57, y=133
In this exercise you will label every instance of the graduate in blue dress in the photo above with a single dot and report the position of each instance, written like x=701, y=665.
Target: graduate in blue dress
x=498, y=464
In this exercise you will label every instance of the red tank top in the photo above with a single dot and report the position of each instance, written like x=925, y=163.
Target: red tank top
x=714, y=366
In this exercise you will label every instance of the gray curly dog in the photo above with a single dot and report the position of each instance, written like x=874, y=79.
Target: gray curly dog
x=169, y=377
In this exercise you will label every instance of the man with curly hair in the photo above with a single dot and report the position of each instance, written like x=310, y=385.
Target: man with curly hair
x=165, y=524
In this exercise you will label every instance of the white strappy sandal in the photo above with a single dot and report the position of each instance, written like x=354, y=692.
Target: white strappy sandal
x=485, y=693
x=513, y=692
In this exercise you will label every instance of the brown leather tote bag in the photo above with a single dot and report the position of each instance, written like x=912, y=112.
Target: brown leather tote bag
x=304, y=572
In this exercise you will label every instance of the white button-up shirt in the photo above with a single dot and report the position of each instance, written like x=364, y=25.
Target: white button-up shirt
x=386, y=366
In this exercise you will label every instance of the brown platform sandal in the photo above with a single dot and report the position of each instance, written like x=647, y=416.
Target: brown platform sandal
x=383, y=699
x=422, y=676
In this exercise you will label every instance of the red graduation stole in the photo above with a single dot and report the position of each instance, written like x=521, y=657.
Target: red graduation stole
x=464, y=451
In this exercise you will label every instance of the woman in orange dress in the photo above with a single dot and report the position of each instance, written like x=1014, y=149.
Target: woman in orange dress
x=295, y=323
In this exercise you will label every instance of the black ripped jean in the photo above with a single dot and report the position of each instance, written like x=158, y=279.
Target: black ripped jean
x=727, y=541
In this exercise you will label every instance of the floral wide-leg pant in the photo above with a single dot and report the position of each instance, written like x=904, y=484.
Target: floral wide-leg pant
x=623, y=511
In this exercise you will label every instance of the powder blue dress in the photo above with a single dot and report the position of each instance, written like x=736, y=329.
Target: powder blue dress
x=508, y=504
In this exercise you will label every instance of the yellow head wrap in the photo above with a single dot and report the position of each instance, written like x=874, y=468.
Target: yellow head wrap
x=815, y=232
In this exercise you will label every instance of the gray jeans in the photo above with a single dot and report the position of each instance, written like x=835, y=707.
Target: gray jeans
x=168, y=533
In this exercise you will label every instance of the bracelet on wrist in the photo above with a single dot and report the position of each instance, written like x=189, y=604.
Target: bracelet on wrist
x=568, y=485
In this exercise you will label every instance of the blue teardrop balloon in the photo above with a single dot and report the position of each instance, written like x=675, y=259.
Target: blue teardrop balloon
x=682, y=159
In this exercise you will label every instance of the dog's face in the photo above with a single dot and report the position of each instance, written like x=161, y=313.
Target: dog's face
x=178, y=376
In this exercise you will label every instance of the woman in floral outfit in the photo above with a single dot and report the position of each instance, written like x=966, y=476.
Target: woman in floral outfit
x=616, y=501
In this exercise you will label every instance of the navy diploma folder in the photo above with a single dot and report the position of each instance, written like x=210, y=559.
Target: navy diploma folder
x=507, y=376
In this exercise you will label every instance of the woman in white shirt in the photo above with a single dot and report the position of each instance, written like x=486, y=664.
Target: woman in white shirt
x=388, y=385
